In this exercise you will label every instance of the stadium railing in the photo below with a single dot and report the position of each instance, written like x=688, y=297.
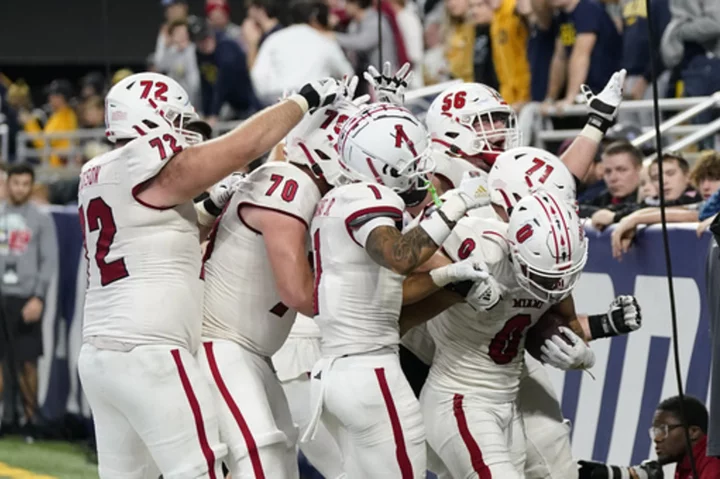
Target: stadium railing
x=418, y=101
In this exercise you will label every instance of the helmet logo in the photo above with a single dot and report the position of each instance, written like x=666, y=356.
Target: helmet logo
x=401, y=137
x=524, y=233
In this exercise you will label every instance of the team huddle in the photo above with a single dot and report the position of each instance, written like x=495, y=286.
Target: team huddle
x=366, y=232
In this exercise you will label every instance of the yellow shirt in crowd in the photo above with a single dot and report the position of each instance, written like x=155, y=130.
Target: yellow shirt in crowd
x=509, y=37
x=62, y=120
x=459, y=50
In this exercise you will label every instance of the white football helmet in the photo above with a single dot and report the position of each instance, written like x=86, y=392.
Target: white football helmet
x=547, y=246
x=385, y=144
x=519, y=171
x=313, y=142
x=145, y=101
x=474, y=122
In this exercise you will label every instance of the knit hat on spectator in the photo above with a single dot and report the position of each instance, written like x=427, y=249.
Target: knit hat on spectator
x=60, y=87
x=213, y=5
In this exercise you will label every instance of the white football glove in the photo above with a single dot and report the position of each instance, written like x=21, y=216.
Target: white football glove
x=558, y=353
x=467, y=269
x=472, y=193
x=484, y=295
x=389, y=88
x=223, y=191
x=320, y=93
x=603, y=107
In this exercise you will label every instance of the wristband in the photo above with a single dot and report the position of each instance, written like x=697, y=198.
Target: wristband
x=601, y=326
x=301, y=101
x=592, y=131
x=436, y=227
x=461, y=287
x=204, y=217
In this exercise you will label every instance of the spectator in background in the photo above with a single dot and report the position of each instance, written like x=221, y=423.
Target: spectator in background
x=120, y=75
x=411, y=30
x=225, y=78
x=62, y=119
x=541, y=44
x=691, y=45
x=28, y=262
x=179, y=60
x=667, y=432
x=263, y=19
x=175, y=10
x=586, y=50
x=622, y=165
x=8, y=115
x=283, y=65
x=361, y=41
x=509, y=35
x=680, y=195
x=92, y=84
x=706, y=176
x=217, y=13
x=483, y=67
x=460, y=40
x=637, y=51
x=92, y=116
x=647, y=188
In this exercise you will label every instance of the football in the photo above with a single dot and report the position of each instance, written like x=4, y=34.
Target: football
x=547, y=326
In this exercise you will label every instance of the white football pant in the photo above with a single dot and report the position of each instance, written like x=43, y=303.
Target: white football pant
x=152, y=409
x=473, y=437
x=370, y=409
x=253, y=412
x=549, y=455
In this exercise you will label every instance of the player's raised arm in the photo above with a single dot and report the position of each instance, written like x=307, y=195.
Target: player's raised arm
x=196, y=168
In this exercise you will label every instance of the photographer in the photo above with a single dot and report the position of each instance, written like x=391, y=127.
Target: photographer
x=669, y=438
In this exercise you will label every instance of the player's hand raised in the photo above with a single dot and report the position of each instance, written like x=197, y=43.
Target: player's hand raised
x=567, y=352
x=603, y=107
x=320, y=93
x=388, y=87
x=465, y=270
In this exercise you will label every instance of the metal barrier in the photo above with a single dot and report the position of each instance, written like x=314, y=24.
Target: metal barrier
x=4, y=142
x=688, y=108
x=418, y=101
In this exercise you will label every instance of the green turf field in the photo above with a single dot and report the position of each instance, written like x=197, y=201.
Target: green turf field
x=44, y=460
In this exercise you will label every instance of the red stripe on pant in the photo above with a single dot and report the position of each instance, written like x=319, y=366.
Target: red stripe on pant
x=476, y=457
x=235, y=410
x=197, y=414
x=400, y=449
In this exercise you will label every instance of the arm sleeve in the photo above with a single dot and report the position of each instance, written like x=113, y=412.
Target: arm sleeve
x=365, y=211
x=48, y=255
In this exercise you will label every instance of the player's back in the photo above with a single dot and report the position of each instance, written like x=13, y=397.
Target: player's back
x=143, y=262
x=242, y=303
x=357, y=300
x=482, y=352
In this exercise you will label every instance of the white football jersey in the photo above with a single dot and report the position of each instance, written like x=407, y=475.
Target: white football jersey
x=144, y=263
x=241, y=300
x=482, y=352
x=357, y=301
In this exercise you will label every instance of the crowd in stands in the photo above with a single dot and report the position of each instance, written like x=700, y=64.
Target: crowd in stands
x=535, y=52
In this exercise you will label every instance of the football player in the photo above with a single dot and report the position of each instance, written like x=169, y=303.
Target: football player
x=468, y=401
x=361, y=259
x=257, y=278
x=143, y=303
